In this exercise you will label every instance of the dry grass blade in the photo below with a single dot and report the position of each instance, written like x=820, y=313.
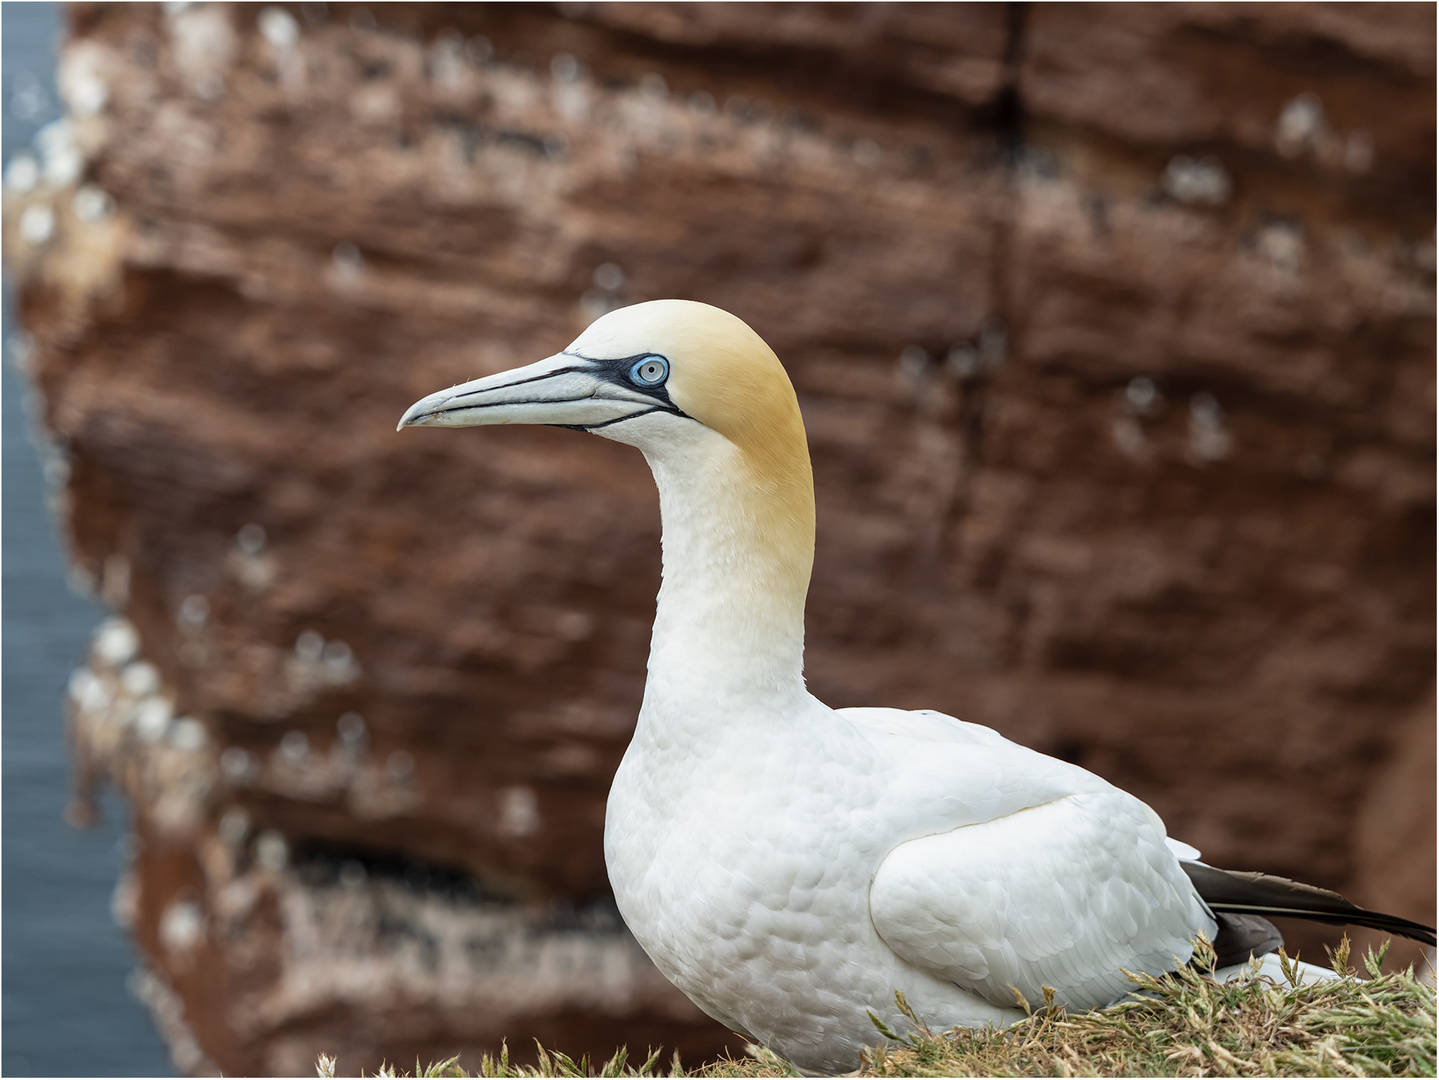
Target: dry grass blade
x=1180, y=1024
x=1186, y=1024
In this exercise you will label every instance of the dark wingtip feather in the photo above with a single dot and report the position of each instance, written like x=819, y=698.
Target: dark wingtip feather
x=1241, y=936
x=1246, y=893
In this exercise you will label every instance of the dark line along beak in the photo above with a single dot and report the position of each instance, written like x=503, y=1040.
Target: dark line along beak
x=563, y=390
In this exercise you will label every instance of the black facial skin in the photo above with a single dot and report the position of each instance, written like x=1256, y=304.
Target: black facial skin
x=617, y=371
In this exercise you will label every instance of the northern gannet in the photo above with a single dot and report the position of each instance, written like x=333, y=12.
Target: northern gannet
x=790, y=866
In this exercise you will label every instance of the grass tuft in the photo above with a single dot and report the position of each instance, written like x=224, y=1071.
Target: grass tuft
x=1180, y=1024
x=1186, y=1024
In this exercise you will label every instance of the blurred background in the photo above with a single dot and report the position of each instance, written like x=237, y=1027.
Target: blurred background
x=1113, y=328
x=66, y=1007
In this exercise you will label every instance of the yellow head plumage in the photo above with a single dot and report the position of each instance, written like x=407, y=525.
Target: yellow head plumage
x=723, y=375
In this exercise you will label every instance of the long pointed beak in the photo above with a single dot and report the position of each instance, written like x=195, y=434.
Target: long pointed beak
x=564, y=390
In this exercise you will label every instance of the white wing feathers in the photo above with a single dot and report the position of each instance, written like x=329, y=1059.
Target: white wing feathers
x=1182, y=851
x=1062, y=894
x=923, y=724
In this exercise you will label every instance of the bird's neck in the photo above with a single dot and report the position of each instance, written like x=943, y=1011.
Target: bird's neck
x=738, y=550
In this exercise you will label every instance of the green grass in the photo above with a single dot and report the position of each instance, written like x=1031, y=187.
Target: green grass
x=1190, y=1025
x=1182, y=1024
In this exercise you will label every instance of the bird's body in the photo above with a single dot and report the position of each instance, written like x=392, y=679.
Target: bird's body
x=790, y=889
x=787, y=865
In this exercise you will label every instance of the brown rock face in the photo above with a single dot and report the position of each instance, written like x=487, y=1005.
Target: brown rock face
x=1114, y=334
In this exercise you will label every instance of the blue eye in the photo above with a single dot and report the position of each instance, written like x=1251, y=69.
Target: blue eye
x=650, y=371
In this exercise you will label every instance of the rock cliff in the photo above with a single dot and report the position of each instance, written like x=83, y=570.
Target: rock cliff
x=1113, y=328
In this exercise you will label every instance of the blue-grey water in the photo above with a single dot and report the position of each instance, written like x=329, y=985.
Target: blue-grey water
x=66, y=1009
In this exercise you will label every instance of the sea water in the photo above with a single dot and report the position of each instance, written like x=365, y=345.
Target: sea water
x=66, y=1009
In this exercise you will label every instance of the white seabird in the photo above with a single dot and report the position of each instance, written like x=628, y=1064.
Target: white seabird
x=790, y=866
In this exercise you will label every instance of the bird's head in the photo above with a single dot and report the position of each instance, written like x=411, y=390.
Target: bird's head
x=712, y=409
x=651, y=375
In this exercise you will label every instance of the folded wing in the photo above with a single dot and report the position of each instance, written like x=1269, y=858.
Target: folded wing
x=1062, y=895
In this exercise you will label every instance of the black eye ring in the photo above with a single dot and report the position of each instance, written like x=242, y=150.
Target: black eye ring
x=649, y=371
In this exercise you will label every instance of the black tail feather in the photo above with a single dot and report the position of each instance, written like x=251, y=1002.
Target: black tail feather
x=1239, y=937
x=1246, y=893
